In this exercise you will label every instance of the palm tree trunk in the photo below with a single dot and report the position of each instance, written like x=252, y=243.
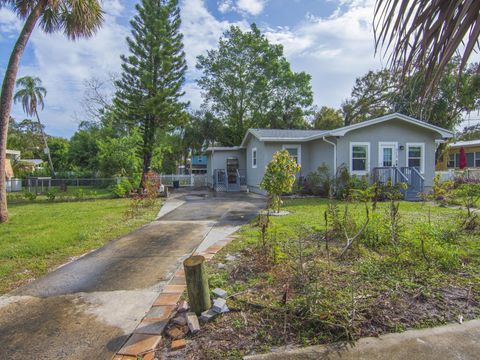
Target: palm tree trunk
x=6, y=97
x=50, y=162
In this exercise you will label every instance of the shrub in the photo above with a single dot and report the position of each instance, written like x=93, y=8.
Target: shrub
x=122, y=189
x=279, y=177
x=319, y=182
x=29, y=195
x=51, y=195
x=79, y=194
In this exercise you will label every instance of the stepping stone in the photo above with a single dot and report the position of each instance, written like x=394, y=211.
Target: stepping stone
x=208, y=315
x=219, y=293
x=167, y=299
x=178, y=344
x=159, y=312
x=151, y=327
x=140, y=344
x=218, y=305
x=192, y=321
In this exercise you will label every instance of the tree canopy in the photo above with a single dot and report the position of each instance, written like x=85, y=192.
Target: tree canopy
x=149, y=90
x=378, y=93
x=247, y=82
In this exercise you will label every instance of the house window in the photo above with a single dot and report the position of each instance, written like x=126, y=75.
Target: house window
x=254, y=158
x=477, y=159
x=452, y=161
x=416, y=156
x=359, y=158
x=295, y=152
x=470, y=159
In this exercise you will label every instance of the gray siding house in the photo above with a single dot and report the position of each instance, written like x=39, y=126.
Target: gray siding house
x=395, y=146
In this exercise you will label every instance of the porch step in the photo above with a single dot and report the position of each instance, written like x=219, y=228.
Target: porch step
x=412, y=195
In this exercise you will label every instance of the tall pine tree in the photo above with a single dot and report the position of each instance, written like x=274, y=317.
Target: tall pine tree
x=149, y=91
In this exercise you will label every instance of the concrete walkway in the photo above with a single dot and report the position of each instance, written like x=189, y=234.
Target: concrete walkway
x=87, y=308
x=455, y=341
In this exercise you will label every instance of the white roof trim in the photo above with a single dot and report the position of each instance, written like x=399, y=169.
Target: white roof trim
x=342, y=131
x=223, y=148
x=282, y=139
x=466, y=143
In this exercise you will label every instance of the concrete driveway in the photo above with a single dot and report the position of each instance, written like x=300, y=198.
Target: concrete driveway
x=87, y=308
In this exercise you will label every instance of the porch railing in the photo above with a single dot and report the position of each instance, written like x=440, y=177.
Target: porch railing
x=382, y=175
x=415, y=180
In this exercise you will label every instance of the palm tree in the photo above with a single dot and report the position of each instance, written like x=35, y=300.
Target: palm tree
x=31, y=96
x=75, y=18
x=426, y=34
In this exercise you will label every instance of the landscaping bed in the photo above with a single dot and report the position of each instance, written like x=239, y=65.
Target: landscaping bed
x=292, y=287
x=41, y=235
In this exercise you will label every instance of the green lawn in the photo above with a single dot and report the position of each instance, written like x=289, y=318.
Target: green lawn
x=41, y=235
x=430, y=275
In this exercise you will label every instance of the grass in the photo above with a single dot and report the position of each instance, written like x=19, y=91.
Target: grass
x=41, y=235
x=293, y=291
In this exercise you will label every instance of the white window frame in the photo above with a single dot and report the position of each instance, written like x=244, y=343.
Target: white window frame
x=359, y=172
x=380, y=154
x=476, y=157
x=299, y=151
x=254, y=157
x=422, y=158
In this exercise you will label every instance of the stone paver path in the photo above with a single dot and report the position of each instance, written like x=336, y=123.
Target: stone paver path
x=89, y=308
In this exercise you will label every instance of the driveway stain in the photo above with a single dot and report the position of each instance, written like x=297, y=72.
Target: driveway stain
x=87, y=308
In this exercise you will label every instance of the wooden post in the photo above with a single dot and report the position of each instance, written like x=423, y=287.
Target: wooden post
x=197, y=284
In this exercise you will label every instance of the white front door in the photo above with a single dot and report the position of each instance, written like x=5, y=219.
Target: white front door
x=387, y=155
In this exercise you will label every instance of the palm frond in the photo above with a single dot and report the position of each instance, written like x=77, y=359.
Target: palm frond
x=426, y=34
x=80, y=18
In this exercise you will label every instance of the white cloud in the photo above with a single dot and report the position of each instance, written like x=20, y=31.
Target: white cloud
x=225, y=6
x=334, y=49
x=9, y=23
x=246, y=7
x=64, y=65
x=201, y=32
x=253, y=7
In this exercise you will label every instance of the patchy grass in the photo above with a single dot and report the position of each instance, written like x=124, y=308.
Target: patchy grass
x=41, y=235
x=293, y=291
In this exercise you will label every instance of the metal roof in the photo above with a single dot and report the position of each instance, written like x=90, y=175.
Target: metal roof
x=285, y=133
x=465, y=143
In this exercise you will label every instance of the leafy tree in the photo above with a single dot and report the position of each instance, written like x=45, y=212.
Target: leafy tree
x=31, y=95
x=371, y=97
x=74, y=18
x=25, y=136
x=380, y=93
x=328, y=118
x=279, y=177
x=117, y=156
x=83, y=151
x=425, y=34
x=149, y=91
x=59, y=148
x=247, y=82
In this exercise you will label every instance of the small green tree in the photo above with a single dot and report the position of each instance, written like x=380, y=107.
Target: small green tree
x=279, y=177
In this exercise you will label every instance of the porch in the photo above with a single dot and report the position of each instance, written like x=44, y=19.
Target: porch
x=229, y=180
x=409, y=175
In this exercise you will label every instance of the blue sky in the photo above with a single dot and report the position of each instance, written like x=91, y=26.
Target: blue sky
x=330, y=39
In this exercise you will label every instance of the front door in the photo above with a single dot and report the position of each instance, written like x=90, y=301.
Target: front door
x=387, y=155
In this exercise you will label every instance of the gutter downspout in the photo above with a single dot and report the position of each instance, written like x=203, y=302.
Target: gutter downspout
x=334, y=155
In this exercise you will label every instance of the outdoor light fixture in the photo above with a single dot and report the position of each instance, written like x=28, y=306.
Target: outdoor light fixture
x=402, y=147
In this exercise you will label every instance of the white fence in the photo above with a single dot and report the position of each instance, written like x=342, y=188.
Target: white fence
x=470, y=174
x=195, y=180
